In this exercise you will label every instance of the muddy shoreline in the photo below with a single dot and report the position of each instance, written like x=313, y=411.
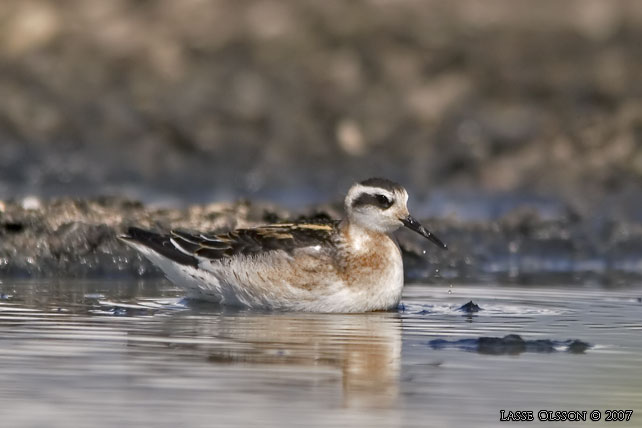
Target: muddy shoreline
x=76, y=238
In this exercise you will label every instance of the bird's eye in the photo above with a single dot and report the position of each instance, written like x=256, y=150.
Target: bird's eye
x=383, y=201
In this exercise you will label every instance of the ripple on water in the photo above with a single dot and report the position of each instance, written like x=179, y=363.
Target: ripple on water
x=487, y=309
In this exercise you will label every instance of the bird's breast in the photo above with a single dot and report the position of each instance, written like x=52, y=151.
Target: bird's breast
x=375, y=262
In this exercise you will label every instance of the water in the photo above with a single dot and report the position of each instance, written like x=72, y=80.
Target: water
x=135, y=354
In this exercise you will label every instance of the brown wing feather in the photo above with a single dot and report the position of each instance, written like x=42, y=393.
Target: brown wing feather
x=286, y=237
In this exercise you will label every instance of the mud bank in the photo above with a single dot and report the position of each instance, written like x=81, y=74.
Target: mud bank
x=293, y=101
x=78, y=238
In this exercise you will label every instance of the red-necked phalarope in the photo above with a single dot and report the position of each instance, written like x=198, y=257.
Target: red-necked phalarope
x=350, y=265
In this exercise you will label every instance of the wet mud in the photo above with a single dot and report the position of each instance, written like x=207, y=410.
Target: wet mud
x=512, y=344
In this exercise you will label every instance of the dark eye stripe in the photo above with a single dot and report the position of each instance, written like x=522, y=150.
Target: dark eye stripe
x=379, y=201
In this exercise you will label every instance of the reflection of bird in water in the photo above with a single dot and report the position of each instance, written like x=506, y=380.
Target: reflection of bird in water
x=366, y=348
x=347, y=266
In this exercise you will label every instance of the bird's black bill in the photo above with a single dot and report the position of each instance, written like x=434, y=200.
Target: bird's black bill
x=413, y=224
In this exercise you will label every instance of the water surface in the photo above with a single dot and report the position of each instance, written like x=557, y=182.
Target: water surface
x=136, y=354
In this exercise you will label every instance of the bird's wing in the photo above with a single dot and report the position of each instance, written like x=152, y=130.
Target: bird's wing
x=188, y=247
x=285, y=237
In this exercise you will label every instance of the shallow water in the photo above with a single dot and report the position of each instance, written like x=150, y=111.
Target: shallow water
x=106, y=354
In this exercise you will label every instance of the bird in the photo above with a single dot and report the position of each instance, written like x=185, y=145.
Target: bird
x=346, y=266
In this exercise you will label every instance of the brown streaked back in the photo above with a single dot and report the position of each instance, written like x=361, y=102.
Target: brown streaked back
x=286, y=237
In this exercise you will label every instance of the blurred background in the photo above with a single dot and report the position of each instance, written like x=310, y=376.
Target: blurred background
x=478, y=107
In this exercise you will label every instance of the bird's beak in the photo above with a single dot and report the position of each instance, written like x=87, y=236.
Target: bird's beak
x=413, y=224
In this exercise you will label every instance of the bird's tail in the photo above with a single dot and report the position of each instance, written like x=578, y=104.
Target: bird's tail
x=145, y=240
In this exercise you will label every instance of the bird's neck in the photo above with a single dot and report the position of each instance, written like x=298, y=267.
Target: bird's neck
x=359, y=238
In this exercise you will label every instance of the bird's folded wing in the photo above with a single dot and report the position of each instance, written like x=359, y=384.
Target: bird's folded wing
x=285, y=237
